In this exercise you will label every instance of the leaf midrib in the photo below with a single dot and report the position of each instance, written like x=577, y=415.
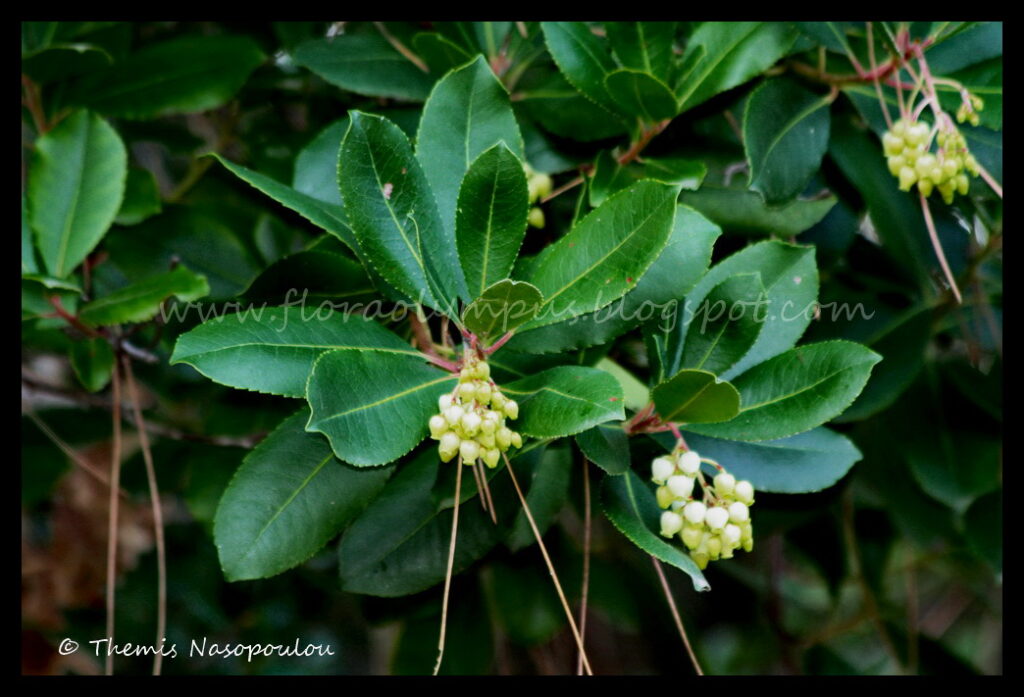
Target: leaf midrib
x=389, y=398
x=715, y=63
x=579, y=277
x=811, y=386
x=283, y=506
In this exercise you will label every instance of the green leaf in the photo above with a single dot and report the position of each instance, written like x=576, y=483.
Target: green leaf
x=722, y=55
x=287, y=500
x=312, y=277
x=141, y=301
x=564, y=400
x=607, y=177
x=790, y=277
x=726, y=324
x=548, y=482
x=490, y=222
x=93, y=362
x=688, y=174
x=583, y=59
x=655, y=299
x=973, y=45
x=796, y=391
x=696, y=396
x=606, y=253
x=316, y=166
x=180, y=76
x=200, y=240
x=809, y=461
x=273, y=349
x=644, y=46
x=831, y=35
x=365, y=64
x=141, y=198
x=641, y=94
x=630, y=505
x=29, y=265
x=468, y=113
x=983, y=528
x=902, y=346
x=785, y=133
x=607, y=446
x=440, y=54
x=746, y=212
x=329, y=216
x=393, y=213
x=399, y=545
x=636, y=394
x=373, y=405
x=501, y=308
x=560, y=109
x=75, y=187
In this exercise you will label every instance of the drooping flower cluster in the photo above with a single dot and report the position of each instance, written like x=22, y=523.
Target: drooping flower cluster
x=471, y=422
x=908, y=152
x=712, y=527
x=538, y=185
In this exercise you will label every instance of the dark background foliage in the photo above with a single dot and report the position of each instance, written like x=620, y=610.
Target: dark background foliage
x=897, y=568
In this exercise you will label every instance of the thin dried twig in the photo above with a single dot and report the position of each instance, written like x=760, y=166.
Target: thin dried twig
x=585, y=591
x=451, y=564
x=114, y=502
x=158, y=517
x=551, y=567
x=675, y=614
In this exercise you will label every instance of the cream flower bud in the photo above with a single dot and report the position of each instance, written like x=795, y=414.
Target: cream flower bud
x=535, y=217
x=498, y=400
x=449, y=446
x=714, y=547
x=664, y=496
x=738, y=512
x=661, y=469
x=677, y=505
x=746, y=531
x=467, y=392
x=716, y=517
x=486, y=440
x=483, y=370
x=491, y=457
x=689, y=462
x=731, y=535
x=907, y=178
x=471, y=423
x=469, y=450
x=701, y=558
x=488, y=425
x=503, y=437
x=512, y=409
x=517, y=440
x=453, y=414
x=892, y=144
x=438, y=426
x=744, y=492
x=483, y=392
x=691, y=536
x=724, y=484
x=680, y=485
x=444, y=401
x=694, y=512
x=671, y=523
